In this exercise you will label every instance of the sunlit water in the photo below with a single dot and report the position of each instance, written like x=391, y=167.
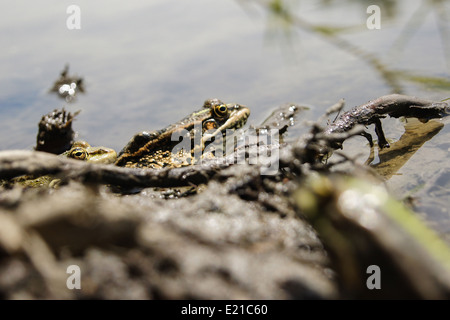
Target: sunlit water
x=147, y=64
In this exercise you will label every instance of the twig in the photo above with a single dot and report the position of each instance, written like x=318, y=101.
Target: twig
x=16, y=163
x=394, y=105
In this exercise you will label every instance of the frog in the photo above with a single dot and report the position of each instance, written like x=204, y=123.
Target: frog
x=155, y=149
x=80, y=150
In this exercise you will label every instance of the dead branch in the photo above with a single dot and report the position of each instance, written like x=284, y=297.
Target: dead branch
x=18, y=162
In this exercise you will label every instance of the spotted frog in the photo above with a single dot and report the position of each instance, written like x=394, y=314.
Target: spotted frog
x=155, y=149
x=81, y=150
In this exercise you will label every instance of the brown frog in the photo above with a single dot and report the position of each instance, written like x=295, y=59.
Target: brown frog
x=156, y=149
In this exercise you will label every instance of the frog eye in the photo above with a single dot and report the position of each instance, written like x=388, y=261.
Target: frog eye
x=78, y=153
x=220, y=111
x=210, y=125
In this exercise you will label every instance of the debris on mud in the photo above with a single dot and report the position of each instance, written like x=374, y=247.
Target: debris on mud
x=239, y=235
x=55, y=133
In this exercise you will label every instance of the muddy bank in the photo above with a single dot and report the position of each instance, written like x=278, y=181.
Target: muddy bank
x=216, y=231
x=211, y=245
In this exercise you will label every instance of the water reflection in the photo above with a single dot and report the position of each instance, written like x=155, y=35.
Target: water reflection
x=66, y=86
x=285, y=16
x=396, y=76
x=440, y=10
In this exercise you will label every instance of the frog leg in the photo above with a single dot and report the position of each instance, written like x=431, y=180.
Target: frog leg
x=138, y=141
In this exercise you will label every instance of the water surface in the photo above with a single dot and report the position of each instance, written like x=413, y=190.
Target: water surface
x=146, y=65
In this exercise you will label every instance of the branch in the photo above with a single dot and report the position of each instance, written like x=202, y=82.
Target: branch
x=17, y=162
